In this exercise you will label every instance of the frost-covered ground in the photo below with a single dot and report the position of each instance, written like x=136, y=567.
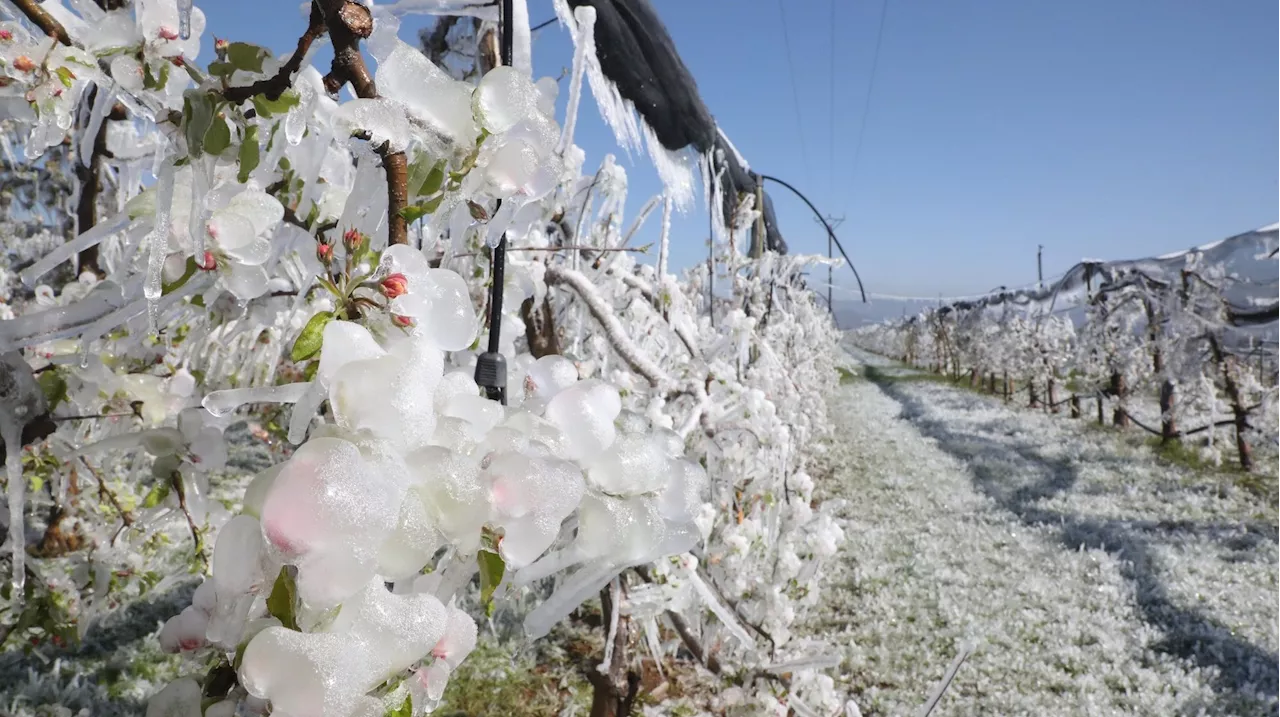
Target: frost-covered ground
x=1092, y=579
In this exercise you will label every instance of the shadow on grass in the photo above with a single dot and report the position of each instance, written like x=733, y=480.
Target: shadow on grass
x=1247, y=673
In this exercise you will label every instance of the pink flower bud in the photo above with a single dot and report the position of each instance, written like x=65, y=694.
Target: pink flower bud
x=324, y=252
x=207, y=262
x=24, y=63
x=6, y=35
x=220, y=44
x=395, y=285
x=353, y=240
x=167, y=33
x=404, y=322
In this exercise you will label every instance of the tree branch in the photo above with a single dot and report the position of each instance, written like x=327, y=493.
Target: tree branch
x=43, y=20
x=608, y=320
x=273, y=87
x=348, y=22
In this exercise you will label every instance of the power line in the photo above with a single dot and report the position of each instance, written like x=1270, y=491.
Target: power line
x=871, y=86
x=795, y=94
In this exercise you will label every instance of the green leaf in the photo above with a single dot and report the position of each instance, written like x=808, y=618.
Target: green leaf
x=478, y=212
x=311, y=338
x=143, y=205
x=404, y=710
x=176, y=284
x=434, y=180
x=67, y=76
x=250, y=153
x=157, y=494
x=54, y=387
x=492, y=568
x=246, y=57
x=267, y=107
x=218, y=68
x=197, y=118
x=309, y=373
x=283, y=599
x=415, y=212
x=218, y=138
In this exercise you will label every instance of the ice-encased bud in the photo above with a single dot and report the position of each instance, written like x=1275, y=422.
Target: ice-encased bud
x=504, y=97
x=530, y=497
x=585, y=413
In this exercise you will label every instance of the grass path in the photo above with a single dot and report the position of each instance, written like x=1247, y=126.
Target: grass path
x=1093, y=580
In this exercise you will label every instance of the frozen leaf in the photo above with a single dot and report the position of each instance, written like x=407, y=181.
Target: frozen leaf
x=311, y=339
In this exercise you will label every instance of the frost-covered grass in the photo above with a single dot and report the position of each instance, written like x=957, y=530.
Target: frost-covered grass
x=1094, y=579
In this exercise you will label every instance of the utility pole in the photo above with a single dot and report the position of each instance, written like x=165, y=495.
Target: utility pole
x=835, y=223
x=1040, y=263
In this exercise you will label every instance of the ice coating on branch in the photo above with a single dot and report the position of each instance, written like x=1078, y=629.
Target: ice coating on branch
x=377, y=633
x=158, y=240
x=430, y=96
x=383, y=119
x=21, y=401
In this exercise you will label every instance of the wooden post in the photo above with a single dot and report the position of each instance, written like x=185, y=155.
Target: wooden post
x=1101, y=420
x=1033, y=399
x=1008, y=389
x=1075, y=406
x=1052, y=397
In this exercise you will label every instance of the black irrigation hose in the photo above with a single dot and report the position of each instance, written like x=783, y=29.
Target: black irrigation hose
x=830, y=232
x=491, y=367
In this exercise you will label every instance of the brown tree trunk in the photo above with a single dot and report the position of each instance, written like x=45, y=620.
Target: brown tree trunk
x=1118, y=416
x=1168, y=424
x=1238, y=411
x=613, y=694
x=1008, y=389
x=1033, y=398
x=1075, y=406
x=1052, y=396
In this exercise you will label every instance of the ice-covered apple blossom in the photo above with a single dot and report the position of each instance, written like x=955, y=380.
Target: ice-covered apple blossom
x=274, y=258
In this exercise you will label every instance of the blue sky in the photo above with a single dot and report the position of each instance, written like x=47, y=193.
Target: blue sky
x=1100, y=129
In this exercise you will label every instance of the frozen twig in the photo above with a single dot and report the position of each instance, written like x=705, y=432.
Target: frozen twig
x=608, y=320
x=348, y=22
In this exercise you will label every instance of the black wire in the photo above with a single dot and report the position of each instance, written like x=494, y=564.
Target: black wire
x=830, y=232
x=491, y=369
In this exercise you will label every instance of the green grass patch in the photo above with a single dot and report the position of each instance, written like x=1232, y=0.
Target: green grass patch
x=847, y=376
x=496, y=679
x=1179, y=453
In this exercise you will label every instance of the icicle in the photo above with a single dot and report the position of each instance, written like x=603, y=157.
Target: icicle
x=654, y=642
x=89, y=238
x=665, y=246
x=220, y=403
x=501, y=221
x=8, y=149
x=184, y=19
x=571, y=593
x=521, y=38
x=102, y=102
x=12, y=431
x=303, y=411
x=614, y=612
x=586, y=16
x=159, y=243
x=717, y=608
x=201, y=180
